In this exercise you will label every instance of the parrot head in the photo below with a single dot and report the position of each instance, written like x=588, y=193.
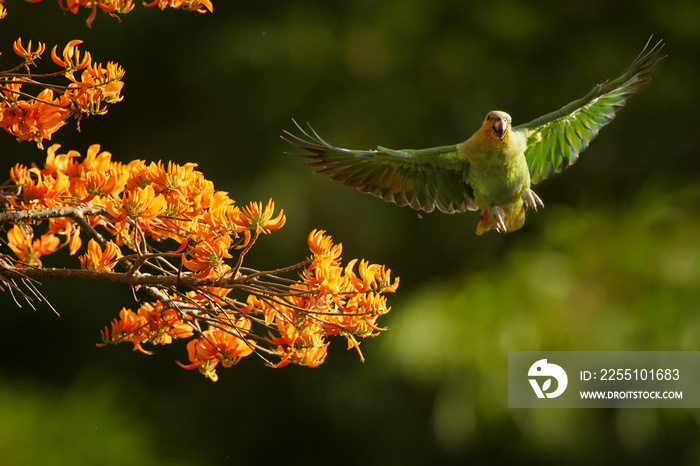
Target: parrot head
x=496, y=126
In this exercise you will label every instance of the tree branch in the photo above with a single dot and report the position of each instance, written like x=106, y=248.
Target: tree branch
x=125, y=278
x=76, y=213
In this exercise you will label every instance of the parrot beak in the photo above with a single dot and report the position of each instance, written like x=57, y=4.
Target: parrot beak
x=498, y=122
x=500, y=126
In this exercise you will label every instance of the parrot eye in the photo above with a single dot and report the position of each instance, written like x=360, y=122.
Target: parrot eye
x=491, y=116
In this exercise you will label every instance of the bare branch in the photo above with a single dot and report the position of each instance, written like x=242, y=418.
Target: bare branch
x=125, y=278
x=76, y=213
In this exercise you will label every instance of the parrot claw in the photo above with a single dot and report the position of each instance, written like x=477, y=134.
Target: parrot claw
x=531, y=199
x=497, y=217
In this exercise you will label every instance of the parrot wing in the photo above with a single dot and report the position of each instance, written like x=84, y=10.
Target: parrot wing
x=422, y=179
x=555, y=140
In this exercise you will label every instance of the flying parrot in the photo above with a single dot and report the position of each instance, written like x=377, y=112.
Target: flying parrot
x=493, y=170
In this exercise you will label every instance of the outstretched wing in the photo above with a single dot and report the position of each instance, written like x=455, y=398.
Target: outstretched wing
x=422, y=179
x=555, y=140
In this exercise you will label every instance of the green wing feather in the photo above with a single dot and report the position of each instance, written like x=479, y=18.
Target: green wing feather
x=421, y=179
x=555, y=140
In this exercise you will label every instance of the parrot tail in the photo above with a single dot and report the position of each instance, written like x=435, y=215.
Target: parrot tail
x=512, y=217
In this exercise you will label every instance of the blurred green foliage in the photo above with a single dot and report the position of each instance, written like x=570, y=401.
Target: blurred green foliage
x=82, y=425
x=612, y=262
x=608, y=279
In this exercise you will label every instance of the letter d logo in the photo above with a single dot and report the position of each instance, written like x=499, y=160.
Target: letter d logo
x=542, y=369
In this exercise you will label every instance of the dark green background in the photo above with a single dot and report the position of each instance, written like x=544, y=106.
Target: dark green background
x=611, y=263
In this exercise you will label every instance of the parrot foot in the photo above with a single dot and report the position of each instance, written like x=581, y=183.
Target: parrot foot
x=497, y=215
x=531, y=199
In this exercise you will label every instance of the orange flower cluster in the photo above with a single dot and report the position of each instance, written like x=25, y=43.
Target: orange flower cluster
x=22, y=242
x=152, y=323
x=97, y=259
x=117, y=7
x=200, y=6
x=226, y=345
x=148, y=204
x=35, y=118
x=330, y=300
x=111, y=7
x=165, y=202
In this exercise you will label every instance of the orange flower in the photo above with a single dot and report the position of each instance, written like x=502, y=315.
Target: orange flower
x=96, y=259
x=19, y=174
x=220, y=201
x=95, y=161
x=200, y=193
x=109, y=6
x=228, y=219
x=311, y=356
x=217, y=345
x=65, y=226
x=322, y=245
x=200, y=6
x=174, y=178
x=97, y=175
x=229, y=345
x=137, y=175
x=60, y=163
x=34, y=120
x=97, y=85
x=208, y=255
x=44, y=190
x=71, y=57
x=372, y=277
x=367, y=274
x=125, y=329
x=104, y=183
x=139, y=203
x=27, y=53
x=325, y=279
x=163, y=324
x=107, y=78
x=10, y=90
x=300, y=343
x=177, y=205
x=28, y=251
x=362, y=312
x=260, y=220
x=153, y=323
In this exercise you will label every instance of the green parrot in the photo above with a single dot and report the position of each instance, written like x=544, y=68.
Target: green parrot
x=493, y=170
